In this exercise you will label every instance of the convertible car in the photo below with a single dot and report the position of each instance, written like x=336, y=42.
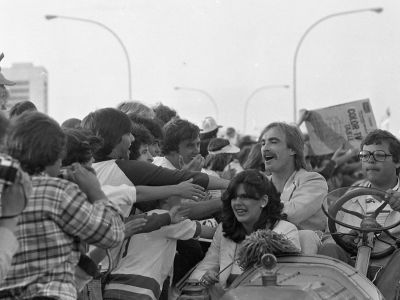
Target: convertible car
x=298, y=277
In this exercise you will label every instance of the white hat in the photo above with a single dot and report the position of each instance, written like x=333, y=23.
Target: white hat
x=209, y=124
x=218, y=146
x=227, y=149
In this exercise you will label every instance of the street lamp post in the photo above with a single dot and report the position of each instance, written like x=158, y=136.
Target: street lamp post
x=177, y=88
x=294, y=87
x=246, y=105
x=128, y=62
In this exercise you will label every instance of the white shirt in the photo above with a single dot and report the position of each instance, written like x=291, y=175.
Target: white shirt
x=9, y=246
x=162, y=161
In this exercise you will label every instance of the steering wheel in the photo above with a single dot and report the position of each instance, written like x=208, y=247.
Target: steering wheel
x=368, y=222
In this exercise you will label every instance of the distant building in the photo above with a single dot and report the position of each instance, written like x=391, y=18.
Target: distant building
x=31, y=84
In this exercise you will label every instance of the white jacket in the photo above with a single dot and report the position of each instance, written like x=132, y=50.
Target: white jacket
x=222, y=251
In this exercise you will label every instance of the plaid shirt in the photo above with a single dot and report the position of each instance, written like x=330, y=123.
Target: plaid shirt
x=57, y=216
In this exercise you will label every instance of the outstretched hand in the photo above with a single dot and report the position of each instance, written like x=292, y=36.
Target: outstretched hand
x=189, y=190
x=228, y=173
x=304, y=114
x=394, y=199
x=134, y=226
x=196, y=164
x=342, y=155
x=178, y=214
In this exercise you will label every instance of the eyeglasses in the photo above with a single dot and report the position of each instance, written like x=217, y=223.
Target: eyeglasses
x=378, y=155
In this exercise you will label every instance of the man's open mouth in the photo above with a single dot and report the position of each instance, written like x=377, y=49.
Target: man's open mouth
x=268, y=157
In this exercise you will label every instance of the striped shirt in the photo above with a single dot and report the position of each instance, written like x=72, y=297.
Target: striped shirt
x=58, y=215
x=147, y=260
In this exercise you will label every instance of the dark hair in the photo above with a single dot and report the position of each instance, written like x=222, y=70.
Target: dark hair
x=245, y=140
x=256, y=185
x=230, y=132
x=254, y=159
x=142, y=137
x=21, y=107
x=81, y=144
x=164, y=113
x=176, y=131
x=217, y=162
x=36, y=140
x=294, y=141
x=136, y=107
x=243, y=154
x=209, y=135
x=379, y=136
x=71, y=123
x=216, y=144
x=110, y=124
x=153, y=125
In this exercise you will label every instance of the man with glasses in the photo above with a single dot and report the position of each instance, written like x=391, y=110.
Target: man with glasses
x=380, y=161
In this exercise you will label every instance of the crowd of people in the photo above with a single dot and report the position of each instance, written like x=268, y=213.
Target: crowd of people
x=121, y=204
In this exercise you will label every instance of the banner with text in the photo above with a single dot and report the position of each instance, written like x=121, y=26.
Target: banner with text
x=346, y=123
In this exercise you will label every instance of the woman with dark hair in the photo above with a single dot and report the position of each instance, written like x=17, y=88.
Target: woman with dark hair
x=251, y=202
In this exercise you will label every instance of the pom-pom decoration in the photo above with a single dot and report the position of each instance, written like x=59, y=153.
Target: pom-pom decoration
x=261, y=242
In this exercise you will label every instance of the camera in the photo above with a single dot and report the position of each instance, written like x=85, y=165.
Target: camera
x=11, y=175
x=9, y=169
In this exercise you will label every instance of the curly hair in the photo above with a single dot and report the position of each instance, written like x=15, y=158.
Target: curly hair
x=153, y=125
x=142, y=137
x=81, y=144
x=256, y=185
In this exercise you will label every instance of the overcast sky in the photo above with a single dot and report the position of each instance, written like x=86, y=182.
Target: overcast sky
x=227, y=48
